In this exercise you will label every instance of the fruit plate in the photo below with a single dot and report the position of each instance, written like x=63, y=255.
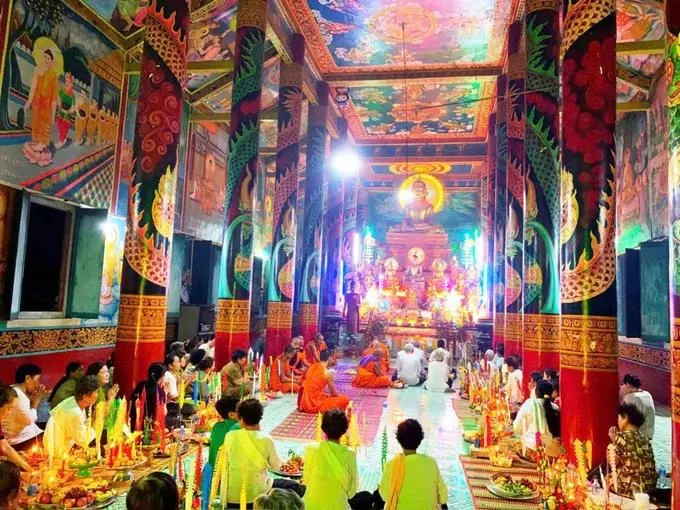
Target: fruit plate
x=497, y=491
x=137, y=464
x=287, y=475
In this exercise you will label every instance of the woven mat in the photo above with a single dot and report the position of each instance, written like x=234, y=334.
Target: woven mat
x=477, y=473
x=366, y=402
x=462, y=409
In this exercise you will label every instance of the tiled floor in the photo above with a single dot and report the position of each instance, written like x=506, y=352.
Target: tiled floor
x=443, y=437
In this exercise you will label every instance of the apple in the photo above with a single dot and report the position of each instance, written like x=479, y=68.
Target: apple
x=69, y=503
x=82, y=502
x=45, y=499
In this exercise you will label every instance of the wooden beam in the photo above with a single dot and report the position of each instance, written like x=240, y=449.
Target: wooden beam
x=655, y=47
x=193, y=67
x=635, y=78
x=361, y=78
x=632, y=106
x=209, y=117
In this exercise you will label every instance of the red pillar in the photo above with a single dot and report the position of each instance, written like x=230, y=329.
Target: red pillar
x=673, y=79
x=514, y=228
x=140, y=338
x=542, y=188
x=318, y=140
x=282, y=270
x=588, y=336
x=232, y=328
x=501, y=147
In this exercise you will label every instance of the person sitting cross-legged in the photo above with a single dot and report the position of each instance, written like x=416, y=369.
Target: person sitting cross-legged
x=281, y=376
x=370, y=374
x=409, y=366
x=312, y=397
x=249, y=455
x=330, y=473
x=412, y=480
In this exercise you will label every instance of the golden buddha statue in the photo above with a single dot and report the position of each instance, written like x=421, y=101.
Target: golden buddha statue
x=420, y=210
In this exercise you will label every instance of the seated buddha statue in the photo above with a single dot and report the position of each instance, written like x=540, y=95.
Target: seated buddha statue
x=419, y=212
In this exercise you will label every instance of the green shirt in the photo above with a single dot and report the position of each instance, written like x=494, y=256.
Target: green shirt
x=331, y=476
x=66, y=390
x=423, y=486
x=219, y=431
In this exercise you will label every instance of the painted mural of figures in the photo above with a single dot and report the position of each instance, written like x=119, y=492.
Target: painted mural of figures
x=67, y=110
x=101, y=125
x=42, y=100
x=208, y=186
x=93, y=117
x=132, y=12
x=82, y=114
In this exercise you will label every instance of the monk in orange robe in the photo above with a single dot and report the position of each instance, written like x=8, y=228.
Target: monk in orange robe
x=298, y=361
x=385, y=360
x=281, y=377
x=370, y=374
x=312, y=397
x=315, y=348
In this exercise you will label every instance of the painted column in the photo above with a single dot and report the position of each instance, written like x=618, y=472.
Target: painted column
x=282, y=271
x=673, y=79
x=331, y=276
x=318, y=141
x=542, y=187
x=490, y=214
x=588, y=337
x=349, y=227
x=501, y=140
x=140, y=338
x=233, y=304
x=514, y=228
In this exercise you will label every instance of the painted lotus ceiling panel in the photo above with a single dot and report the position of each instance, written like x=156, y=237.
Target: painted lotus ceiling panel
x=367, y=34
x=445, y=170
x=639, y=20
x=433, y=111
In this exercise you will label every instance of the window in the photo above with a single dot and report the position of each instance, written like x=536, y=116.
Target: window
x=59, y=260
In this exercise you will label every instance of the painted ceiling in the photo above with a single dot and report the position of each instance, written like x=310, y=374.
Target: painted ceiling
x=367, y=35
x=432, y=111
x=444, y=170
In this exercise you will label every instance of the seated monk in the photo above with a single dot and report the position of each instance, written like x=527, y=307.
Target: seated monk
x=385, y=360
x=312, y=397
x=370, y=374
x=315, y=348
x=281, y=376
x=298, y=360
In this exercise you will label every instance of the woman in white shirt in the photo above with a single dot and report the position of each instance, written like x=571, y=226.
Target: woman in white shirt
x=513, y=387
x=539, y=414
x=20, y=425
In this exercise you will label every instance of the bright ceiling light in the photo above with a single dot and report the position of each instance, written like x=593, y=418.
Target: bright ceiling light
x=345, y=162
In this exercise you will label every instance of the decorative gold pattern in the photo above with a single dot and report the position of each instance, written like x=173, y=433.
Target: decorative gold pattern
x=233, y=316
x=32, y=341
x=589, y=343
x=658, y=358
x=309, y=314
x=279, y=315
x=141, y=319
x=252, y=13
x=290, y=74
x=513, y=326
x=675, y=370
x=541, y=332
x=580, y=17
x=499, y=324
x=318, y=116
x=538, y=5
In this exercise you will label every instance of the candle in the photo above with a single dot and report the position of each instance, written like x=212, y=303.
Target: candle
x=254, y=382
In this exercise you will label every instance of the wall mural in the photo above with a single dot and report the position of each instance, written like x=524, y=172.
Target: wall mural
x=431, y=111
x=632, y=178
x=212, y=37
x=125, y=160
x=638, y=20
x=206, y=182
x=126, y=16
x=367, y=34
x=59, y=104
x=113, y=268
x=658, y=159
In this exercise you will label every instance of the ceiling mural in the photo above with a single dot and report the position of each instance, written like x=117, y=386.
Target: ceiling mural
x=626, y=92
x=124, y=16
x=643, y=64
x=433, y=111
x=367, y=35
x=639, y=20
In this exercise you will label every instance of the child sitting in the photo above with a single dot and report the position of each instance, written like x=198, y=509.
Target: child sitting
x=226, y=408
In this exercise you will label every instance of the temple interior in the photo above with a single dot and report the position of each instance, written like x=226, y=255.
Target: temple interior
x=230, y=229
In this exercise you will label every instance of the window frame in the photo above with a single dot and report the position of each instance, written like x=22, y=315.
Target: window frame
x=67, y=252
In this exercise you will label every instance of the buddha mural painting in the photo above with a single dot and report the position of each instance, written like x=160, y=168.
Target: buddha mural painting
x=418, y=213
